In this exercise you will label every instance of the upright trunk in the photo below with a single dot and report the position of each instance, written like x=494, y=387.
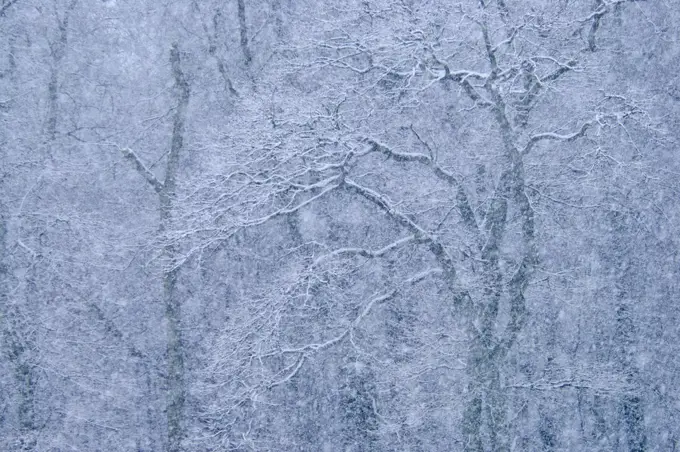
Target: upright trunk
x=17, y=338
x=26, y=378
x=18, y=347
x=175, y=357
x=484, y=418
x=175, y=350
x=630, y=406
x=243, y=27
x=58, y=50
x=166, y=190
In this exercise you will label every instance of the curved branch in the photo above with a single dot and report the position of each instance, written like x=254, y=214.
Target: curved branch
x=551, y=136
x=243, y=29
x=421, y=236
x=290, y=210
x=462, y=77
x=463, y=203
x=603, y=8
x=363, y=252
x=303, y=351
x=596, y=16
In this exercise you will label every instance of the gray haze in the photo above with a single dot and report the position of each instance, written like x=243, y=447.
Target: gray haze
x=302, y=225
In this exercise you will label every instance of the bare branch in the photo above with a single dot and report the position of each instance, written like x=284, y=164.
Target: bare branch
x=463, y=203
x=422, y=236
x=490, y=50
x=304, y=350
x=363, y=252
x=595, y=17
x=551, y=136
x=506, y=41
x=142, y=169
x=563, y=69
x=6, y=6
x=603, y=8
x=463, y=77
x=177, y=143
x=287, y=211
x=289, y=371
x=423, y=275
x=212, y=48
x=603, y=382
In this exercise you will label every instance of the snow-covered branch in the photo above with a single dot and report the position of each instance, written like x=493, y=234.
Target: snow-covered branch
x=551, y=136
x=463, y=203
x=422, y=236
x=142, y=169
x=367, y=253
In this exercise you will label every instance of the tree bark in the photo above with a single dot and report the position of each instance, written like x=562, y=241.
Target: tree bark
x=175, y=348
x=243, y=27
x=58, y=49
x=166, y=190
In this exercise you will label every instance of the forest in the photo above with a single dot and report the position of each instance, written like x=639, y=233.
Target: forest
x=352, y=226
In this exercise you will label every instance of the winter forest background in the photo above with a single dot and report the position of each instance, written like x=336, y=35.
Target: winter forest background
x=302, y=225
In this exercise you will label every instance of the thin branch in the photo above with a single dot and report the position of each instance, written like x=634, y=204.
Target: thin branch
x=564, y=68
x=212, y=48
x=508, y=40
x=551, y=136
x=363, y=252
x=291, y=210
x=490, y=50
x=423, y=275
x=303, y=351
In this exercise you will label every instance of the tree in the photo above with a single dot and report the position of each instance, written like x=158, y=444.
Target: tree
x=166, y=191
x=443, y=139
x=357, y=225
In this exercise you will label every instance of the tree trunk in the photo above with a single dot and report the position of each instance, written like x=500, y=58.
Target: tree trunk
x=58, y=49
x=166, y=190
x=175, y=350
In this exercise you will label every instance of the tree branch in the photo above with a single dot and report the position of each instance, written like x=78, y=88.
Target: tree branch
x=177, y=143
x=6, y=6
x=363, y=252
x=287, y=211
x=603, y=8
x=563, y=69
x=462, y=77
x=142, y=169
x=551, y=136
x=421, y=236
x=463, y=203
x=596, y=16
x=304, y=350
